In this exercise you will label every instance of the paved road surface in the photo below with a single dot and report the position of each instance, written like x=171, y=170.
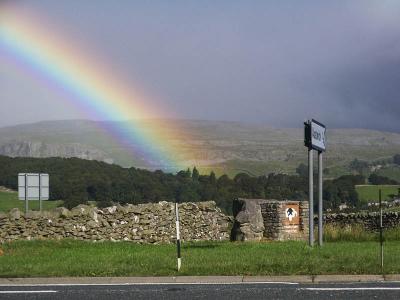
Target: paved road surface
x=384, y=290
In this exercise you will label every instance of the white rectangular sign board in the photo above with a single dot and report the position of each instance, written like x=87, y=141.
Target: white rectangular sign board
x=318, y=139
x=36, y=185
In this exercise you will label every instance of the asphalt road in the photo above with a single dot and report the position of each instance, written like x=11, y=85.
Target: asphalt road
x=384, y=290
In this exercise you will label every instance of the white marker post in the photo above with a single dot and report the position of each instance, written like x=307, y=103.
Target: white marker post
x=178, y=237
x=40, y=187
x=26, y=193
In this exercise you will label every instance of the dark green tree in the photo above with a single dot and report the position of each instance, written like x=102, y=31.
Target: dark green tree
x=213, y=179
x=377, y=180
x=360, y=166
x=195, y=174
x=302, y=170
x=396, y=159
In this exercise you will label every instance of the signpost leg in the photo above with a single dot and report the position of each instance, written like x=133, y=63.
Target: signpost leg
x=320, y=208
x=178, y=238
x=311, y=197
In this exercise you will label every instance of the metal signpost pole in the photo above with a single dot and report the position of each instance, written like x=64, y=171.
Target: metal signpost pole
x=178, y=238
x=26, y=193
x=311, y=197
x=320, y=210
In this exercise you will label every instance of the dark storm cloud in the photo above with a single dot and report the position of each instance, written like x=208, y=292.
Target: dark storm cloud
x=370, y=92
x=274, y=62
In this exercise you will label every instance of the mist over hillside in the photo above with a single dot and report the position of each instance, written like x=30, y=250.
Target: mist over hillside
x=226, y=147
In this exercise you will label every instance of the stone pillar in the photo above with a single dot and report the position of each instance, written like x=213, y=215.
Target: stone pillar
x=270, y=214
x=304, y=217
x=248, y=221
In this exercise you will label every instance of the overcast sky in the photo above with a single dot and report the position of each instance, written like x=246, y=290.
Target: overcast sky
x=271, y=62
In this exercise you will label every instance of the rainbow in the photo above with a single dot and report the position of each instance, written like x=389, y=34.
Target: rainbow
x=91, y=87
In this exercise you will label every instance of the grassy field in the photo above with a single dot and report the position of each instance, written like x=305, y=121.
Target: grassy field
x=9, y=200
x=370, y=193
x=78, y=258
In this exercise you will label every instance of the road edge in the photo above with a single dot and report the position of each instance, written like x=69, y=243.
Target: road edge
x=197, y=280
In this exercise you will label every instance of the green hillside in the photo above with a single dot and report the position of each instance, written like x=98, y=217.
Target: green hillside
x=225, y=147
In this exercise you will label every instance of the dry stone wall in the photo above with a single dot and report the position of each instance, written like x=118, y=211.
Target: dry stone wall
x=370, y=221
x=143, y=223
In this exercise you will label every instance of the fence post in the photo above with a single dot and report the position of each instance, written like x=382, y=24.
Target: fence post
x=178, y=238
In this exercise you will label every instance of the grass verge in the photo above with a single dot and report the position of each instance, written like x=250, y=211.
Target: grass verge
x=78, y=258
x=356, y=232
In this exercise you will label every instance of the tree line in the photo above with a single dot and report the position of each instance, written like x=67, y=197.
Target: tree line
x=363, y=167
x=77, y=181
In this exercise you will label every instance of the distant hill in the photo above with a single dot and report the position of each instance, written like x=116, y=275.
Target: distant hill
x=226, y=147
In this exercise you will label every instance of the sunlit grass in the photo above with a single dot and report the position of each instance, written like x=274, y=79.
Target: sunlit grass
x=78, y=258
x=370, y=193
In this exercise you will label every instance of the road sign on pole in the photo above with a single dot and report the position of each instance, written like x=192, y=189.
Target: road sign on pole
x=315, y=139
x=33, y=186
